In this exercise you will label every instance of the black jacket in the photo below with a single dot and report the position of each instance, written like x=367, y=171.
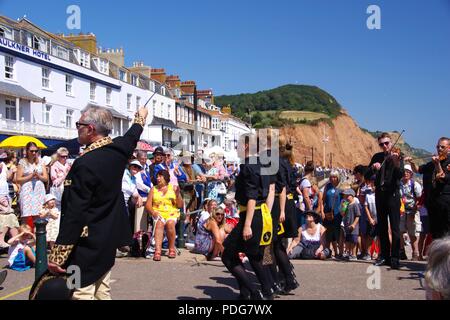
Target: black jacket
x=93, y=198
x=392, y=174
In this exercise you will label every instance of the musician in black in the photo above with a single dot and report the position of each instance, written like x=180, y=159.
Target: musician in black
x=388, y=167
x=252, y=192
x=436, y=183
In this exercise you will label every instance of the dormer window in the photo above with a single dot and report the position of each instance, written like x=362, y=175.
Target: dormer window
x=60, y=52
x=134, y=80
x=6, y=33
x=37, y=43
x=163, y=90
x=83, y=58
x=102, y=65
x=122, y=75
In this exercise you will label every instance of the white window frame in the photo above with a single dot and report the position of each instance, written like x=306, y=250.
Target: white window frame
x=108, y=96
x=92, y=88
x=154, y=108
x=138, y=102
x=7, y=32
x=162, y=110
x=129, y=97
x=169, y=111
x=152, y=86
x=10, y=109
x=9, y=67
x=46, y=114
x=46, y=78
x=163, y=90
x=134, y=80
x=69, y=85
x=122, y=75
x=178, y=113
x=69, y=118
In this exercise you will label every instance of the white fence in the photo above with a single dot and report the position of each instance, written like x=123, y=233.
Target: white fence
x=14, y=127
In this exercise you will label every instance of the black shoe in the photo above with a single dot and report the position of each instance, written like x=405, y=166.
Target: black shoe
x=382, y=262
x=289, y=287
x=3, y=274
x=395, y=264
x=258, y=295
x=403, y=255
x=277, y=289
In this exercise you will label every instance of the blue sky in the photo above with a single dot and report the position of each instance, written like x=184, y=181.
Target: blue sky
x=390, y=79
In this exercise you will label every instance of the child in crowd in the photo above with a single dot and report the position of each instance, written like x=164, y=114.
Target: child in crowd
x=370, y=209
x=350, y=211
x=21, y=254
x=51, y=213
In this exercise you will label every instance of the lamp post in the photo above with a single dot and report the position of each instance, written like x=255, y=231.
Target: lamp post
x=41, y=247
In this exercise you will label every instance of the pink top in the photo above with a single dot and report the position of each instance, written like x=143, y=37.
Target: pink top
x=58, y=172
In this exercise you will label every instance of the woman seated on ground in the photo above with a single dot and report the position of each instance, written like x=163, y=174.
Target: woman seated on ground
x=8, y=221
x=311, y=242
x=163, y=204
x=21, y=254
x=211, y=234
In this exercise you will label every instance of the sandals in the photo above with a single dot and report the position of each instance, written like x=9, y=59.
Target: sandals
x=157, y=256
x=172, y=254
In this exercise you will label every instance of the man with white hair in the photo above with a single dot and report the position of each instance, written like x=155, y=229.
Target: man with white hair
x=94, y=222
x=437, y=282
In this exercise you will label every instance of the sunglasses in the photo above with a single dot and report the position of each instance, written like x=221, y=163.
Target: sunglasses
x=79, y=124
x=441, y=147
x=381, y=144
x=219, y=214
x=33, y=151
x=64, y=157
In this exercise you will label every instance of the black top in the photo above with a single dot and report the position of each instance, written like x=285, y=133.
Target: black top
x=282, y=176
x=93, y=197
x=251, y=184
x=442, y=186
x=389, y=176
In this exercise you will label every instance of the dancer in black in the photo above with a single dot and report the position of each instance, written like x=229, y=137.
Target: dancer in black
x=284, y=220
x=252, y=193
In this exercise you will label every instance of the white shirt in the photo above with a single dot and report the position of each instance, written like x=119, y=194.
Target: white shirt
x=128, y=186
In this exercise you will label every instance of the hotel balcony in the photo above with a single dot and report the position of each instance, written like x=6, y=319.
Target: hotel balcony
x=14, y=127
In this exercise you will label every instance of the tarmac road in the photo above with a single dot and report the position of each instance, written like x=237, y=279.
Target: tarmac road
x=190, y=276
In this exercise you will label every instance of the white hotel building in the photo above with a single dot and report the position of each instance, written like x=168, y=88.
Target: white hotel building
x=45, y=81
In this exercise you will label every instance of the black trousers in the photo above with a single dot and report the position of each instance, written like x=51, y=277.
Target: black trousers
x=439, y=215
x=388, y=207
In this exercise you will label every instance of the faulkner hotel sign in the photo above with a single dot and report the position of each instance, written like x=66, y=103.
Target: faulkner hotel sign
x=24, y=49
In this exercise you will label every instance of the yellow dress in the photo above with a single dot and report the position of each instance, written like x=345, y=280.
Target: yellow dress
x=163, y=203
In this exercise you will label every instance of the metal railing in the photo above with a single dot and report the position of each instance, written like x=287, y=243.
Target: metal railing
x=36, y=129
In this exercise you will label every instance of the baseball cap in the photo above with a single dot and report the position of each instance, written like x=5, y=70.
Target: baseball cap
x=136, y=163
x=159, y=150
x=349, y=192
x=408, y=167
x=49, y=197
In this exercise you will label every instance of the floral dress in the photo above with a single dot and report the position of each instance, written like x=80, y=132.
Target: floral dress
x=32, y=193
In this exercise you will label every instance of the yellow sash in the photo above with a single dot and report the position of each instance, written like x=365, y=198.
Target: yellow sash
x=266, y=236
x=280, y=229
x=290, y=196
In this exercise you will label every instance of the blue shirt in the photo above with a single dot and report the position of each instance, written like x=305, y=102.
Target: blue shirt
x=332, y=197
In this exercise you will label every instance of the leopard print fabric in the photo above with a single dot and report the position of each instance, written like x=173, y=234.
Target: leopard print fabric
x=98, y=144
x=60, y=253
x=139, y=120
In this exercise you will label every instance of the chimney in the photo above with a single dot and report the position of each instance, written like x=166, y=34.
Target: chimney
x=115, y=56
x=87, y=42
x=206, y=95
x=159, y=75
x=173, y=81
x=141, y=68
x=188, y=87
